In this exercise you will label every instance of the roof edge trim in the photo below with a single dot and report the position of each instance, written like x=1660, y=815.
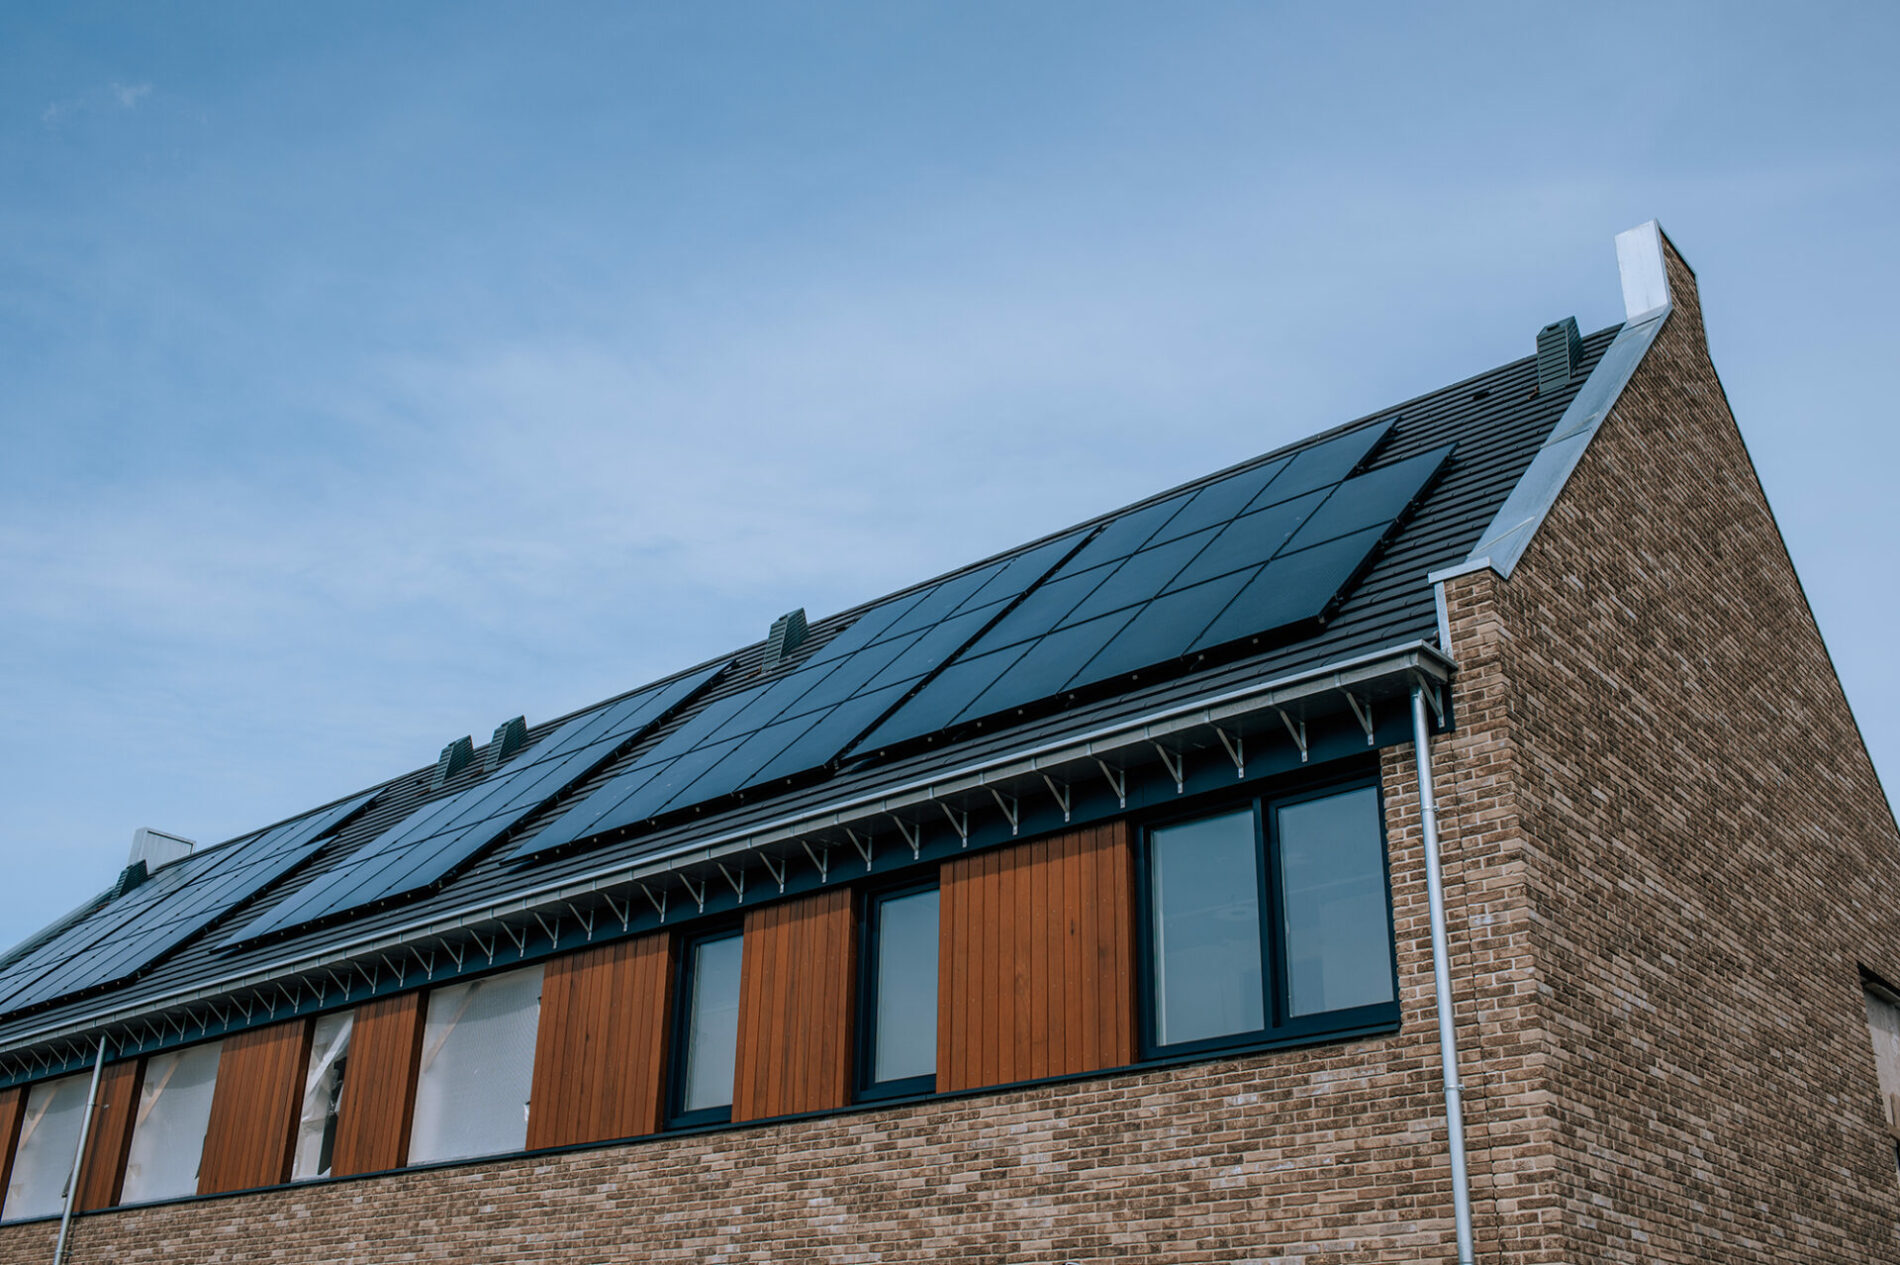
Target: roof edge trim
x=1408, y=661
x=1647, y=304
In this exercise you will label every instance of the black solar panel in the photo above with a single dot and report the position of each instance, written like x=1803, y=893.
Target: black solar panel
x=805, y=718
x=426, y=846
x=176, y=903
x=1264, y=550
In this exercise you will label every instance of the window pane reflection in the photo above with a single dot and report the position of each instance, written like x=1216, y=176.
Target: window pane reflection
x=906, y=987
x=1207, y=930
x=1332, y=875
x=712, y=1041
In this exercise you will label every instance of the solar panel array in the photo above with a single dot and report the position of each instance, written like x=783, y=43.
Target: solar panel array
x=431, y=842
x=176, y=903
x=1266, y=550
x=807, y=717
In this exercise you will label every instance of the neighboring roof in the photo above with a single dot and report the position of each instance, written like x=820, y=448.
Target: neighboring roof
x=1447, y=461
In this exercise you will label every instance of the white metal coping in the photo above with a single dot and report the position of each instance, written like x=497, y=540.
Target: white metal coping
x=1419, y=661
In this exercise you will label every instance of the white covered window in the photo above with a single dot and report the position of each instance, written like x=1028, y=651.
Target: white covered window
x=168, y=1133
x=49, y=1138
x=1883, y=1020
x=322, y=1095
x=477, y=1068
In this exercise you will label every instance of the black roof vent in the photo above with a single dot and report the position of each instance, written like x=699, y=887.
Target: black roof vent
x=509, y=735
x=130, y=877
x=788, y=633
x=1559, y=351
x=453, y=760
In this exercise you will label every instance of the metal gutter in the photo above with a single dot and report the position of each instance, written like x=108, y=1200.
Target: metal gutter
x=1405, y=665
x=1647, y=305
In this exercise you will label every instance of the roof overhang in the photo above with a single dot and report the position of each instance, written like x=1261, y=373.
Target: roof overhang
x=1236, y=734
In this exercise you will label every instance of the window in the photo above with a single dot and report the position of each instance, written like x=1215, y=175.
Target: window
x=49, y=1138
x=322, y=1095
x=1883, y=1021
x=168, y=1133
x=477, y=1068
x=897, y=1047
x=706, y=1038
x=1269, y=921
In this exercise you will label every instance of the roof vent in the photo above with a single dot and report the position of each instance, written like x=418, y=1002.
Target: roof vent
x=1559, y=352
x=788, y=633
x=158, y=849
x=509, y=735
x=453, y=760
x=130, y=877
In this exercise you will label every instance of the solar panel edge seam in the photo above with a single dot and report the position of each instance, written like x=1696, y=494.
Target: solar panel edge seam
x=706, y=676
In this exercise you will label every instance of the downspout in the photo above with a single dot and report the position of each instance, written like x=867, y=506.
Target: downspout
x=79, y=1156
x=1441, y=980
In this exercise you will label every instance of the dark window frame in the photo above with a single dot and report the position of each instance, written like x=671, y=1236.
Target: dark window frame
x=871, y=899
x=680, y=1025
x=1281, y=1028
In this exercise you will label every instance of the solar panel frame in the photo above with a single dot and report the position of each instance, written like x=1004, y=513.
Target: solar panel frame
x=424, y=848
x=175, y=904
x=785, y=727
x=1177, y=581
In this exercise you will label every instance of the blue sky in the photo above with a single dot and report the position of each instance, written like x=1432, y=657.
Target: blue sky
x=370, y=374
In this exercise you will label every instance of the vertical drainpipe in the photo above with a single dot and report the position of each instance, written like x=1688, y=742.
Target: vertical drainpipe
x=1441, y=979
x=79, y=1156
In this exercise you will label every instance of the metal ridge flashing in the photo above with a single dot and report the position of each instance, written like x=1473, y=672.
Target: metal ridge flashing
x=1408, y=663
x=1646, y=305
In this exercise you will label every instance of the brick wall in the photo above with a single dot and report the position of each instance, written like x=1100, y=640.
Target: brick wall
x=1706, y=854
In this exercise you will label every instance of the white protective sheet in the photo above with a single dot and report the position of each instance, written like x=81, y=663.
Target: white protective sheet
x=43, y=1157
x=322, y=1094
x=477, y=1067
x=168, y=1133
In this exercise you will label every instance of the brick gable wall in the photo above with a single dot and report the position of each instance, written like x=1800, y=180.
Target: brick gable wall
x=1708, y=856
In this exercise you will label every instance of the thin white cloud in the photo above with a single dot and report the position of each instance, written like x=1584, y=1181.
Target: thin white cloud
x=130, y=94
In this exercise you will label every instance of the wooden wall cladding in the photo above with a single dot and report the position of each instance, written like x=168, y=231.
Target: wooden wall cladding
x=797, y=981
x=379, y=1086
x=110, y=1135
x=1037, y=971
x=600, y=1053
x=254, y=1108
x=12, y=1115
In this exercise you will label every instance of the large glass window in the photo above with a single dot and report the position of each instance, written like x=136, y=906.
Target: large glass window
x=1268, y=921
x=1332, y=892
x=477, y=1068
x=322, y=1095
x=168, y=1133
x=1206, y=898
x=899, y=990
x=49, y=1138
x=708, y=1035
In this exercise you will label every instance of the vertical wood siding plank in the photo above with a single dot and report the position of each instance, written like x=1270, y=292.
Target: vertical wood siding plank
x=596, y=1070
x=12, y=1114
x=255, y=1103
x=379, y=1090
x=110, y=1136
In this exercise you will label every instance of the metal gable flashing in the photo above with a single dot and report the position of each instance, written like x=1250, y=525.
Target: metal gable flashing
x=1646, y=304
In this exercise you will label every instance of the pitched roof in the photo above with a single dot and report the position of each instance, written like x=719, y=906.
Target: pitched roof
x=1329, y=567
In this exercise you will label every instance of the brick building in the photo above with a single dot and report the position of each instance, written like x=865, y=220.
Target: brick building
x=1082, y=905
